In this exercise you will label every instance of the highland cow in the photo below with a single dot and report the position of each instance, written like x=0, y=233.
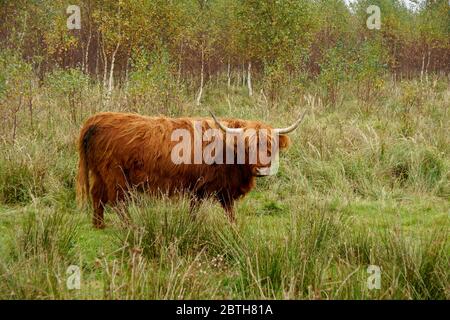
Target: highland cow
x=121, y=151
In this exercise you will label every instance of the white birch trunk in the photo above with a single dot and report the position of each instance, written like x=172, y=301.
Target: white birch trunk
x=428, y=64
x=105, y=64
x=249, y=79
x=423, y=67
x=229, y=74
x=111, y=70
x=200, y=92
x=86, y=57
x=180, y=56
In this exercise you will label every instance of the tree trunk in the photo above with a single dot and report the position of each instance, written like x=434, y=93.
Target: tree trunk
x=428, y=64
x=105, y=64
x=423, y=67
x=229, y=75
x=180, y=56
x=30, y=104
x=200, y=92
x=73, y=112
x=111, y=71
x=97, y=58
x=14, y=128
x=15, y=111
x=249, y=79
x=82, y=54
x=127, y=69
x=238, y=78
x=86, y=57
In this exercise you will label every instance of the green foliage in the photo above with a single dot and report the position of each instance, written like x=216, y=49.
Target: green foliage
x=19, y=182
x=15, y=75
x=369, y=68
x=71, y=84
x=154, y=232
x=333, y=72
x=292, y=36
x=67, y=82
x=433, y=23
x=272, y=31
x=41, y=249
x=151, y=86
x=422, y=168
x=45, y=233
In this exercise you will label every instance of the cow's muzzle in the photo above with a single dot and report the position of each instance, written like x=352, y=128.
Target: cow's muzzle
x=269, y=171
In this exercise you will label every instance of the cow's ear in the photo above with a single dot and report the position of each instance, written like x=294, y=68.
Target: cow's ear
x=284, y=141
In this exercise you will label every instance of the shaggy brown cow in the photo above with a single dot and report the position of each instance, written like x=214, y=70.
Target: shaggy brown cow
x=119, y=151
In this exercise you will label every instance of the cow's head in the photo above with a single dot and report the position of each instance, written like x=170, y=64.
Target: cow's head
x=264, y=159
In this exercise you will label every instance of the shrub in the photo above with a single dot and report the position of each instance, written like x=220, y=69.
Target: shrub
x=152, y=86
x=69, y=84
x=20, y=180
x=415, y=165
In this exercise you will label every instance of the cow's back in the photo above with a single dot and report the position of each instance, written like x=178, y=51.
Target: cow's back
x=135, y=150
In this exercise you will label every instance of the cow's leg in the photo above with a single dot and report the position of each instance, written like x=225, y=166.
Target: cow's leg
x=99, y=199
x=120, y=202
x=227, y=204
x=117, y=195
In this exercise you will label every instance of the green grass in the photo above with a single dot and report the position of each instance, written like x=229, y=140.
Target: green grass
x=359, y=187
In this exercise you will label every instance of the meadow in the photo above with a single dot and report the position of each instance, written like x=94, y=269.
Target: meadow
x=365, y=182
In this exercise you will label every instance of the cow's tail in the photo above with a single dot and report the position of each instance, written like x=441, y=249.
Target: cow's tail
x=83, y=187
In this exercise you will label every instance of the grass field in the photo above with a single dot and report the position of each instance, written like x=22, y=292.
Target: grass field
x=364, y=183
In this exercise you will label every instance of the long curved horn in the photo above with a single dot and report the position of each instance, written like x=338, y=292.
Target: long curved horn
x=224, y=127
x=292, y=127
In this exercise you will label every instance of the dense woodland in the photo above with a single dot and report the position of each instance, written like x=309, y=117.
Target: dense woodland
x=196, y=41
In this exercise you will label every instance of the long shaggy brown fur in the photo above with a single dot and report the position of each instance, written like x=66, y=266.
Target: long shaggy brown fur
x=118, y=151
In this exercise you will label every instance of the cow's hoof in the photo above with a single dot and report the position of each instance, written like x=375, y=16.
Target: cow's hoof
x=99, y=225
